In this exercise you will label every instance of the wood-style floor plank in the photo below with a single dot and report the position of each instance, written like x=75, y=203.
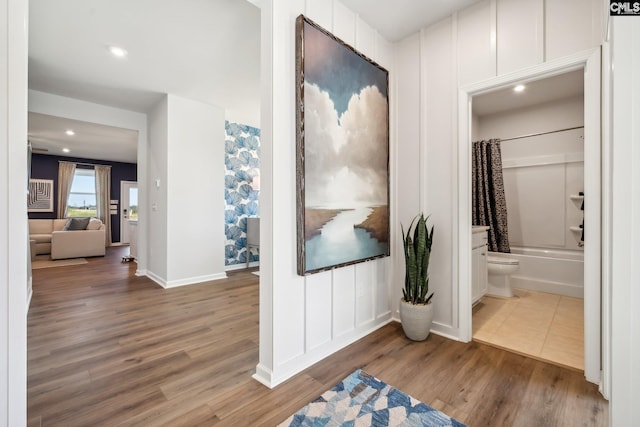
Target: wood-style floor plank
x=107, y=348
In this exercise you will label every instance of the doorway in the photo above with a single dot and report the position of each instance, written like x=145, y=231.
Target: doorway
x=590, y=63
x=129, y=208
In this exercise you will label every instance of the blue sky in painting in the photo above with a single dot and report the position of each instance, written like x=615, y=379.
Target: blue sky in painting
x=337, y=70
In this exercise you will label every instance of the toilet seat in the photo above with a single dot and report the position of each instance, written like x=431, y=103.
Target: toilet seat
x=502, y=260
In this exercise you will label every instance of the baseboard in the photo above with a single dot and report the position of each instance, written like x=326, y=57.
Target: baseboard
x=184, y=282
x=159, y=280
x=263, y=375
x=241, y=266
x=195, y=280
x=442, y=330
x=294, y=366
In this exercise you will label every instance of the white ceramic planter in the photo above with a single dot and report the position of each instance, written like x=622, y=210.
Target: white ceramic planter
x=416, y=320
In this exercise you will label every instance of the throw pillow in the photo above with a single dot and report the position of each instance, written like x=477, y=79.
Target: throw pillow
x=94, y=224
x=74, y=224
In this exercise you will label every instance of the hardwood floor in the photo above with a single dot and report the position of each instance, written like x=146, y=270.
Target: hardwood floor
x=108, y=348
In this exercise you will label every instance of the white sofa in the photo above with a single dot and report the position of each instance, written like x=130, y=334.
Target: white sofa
x=50, y=237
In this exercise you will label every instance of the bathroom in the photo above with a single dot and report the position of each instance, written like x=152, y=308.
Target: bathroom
x=533, y=299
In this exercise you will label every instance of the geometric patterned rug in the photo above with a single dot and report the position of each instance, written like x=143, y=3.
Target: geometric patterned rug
x=363, y=400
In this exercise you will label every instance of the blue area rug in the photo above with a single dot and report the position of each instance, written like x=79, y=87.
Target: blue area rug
x=363, y=400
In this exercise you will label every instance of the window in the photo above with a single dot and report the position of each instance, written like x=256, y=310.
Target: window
x=82, y=197
x=133, y=203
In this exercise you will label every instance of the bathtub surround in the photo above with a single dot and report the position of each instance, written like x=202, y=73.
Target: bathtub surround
x=556, y=271
x=241, y=191
x=489, y=206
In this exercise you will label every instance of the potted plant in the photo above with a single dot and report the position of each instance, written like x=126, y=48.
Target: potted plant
x=416, y=310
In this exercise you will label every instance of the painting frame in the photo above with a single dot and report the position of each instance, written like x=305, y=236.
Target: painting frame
x=342, y=158
x=40, y=197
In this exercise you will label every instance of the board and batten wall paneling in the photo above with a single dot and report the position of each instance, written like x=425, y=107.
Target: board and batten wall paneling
x=560, y=40
x=477, y=42
x=407, y=185
x=304, y=319
x=439, y=144
x=520, y=31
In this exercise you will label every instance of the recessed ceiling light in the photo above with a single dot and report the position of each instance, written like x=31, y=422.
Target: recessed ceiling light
x=519, y=88
x=117, y=51
x=70, y=132
x=65, y=150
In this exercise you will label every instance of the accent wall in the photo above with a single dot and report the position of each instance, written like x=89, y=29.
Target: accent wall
x=241, y=189
x=304, y=319
x=487, y=39
x=45, y=166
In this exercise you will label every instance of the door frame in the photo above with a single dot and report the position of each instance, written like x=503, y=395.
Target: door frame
x=589, y=61
x=124, y=222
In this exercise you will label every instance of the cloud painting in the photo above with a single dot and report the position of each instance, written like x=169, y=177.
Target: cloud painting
x=343, y=139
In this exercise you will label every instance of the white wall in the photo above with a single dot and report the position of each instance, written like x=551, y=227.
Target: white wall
x=303, y=319
x=541, y=172
x=158, y=176
x=195, y=211
x=625, y=315
x=487, y=39
x=13, y=212
x=186, y=155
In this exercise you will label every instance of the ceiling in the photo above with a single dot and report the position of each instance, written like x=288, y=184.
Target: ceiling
x=206, y=50
x=562, y=86
x=91, y=141
x=398, y=19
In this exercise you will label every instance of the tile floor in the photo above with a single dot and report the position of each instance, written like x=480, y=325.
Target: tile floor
x=544, y=326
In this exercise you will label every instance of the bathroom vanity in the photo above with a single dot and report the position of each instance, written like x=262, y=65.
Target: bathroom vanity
x=479, y=285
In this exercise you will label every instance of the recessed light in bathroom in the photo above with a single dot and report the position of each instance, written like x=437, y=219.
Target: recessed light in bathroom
x=117, y=51
x=519, y=88
x=70, y=132
x=65, y=150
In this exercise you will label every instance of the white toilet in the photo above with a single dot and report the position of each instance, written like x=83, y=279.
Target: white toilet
x=500, y=268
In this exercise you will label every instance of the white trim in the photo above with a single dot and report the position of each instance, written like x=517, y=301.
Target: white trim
x=439, y=329
x=124, y=221
x=185, y=282
x=592, y=215
x=159, y=280
x=607, y=214
x=625, y=247
x=588, y=60
x=464, y=215
x=303, y=361
x=14, y=245
x=241, y=266
x=263, y=375
x=551, y=159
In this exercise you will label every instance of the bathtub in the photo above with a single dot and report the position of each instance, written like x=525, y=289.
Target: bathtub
x=557, y=271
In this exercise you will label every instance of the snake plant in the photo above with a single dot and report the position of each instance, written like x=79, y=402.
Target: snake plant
x=417, y=251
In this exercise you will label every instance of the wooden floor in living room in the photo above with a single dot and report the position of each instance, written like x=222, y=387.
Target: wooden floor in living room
x=108, y=348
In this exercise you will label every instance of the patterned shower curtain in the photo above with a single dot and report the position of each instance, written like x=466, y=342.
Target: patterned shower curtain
x=489, y=206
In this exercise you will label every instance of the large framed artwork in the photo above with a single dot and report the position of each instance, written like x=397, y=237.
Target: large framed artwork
x=342, y=152
x=40, y=198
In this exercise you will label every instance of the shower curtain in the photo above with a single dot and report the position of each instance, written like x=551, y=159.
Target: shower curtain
x=489, y=206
